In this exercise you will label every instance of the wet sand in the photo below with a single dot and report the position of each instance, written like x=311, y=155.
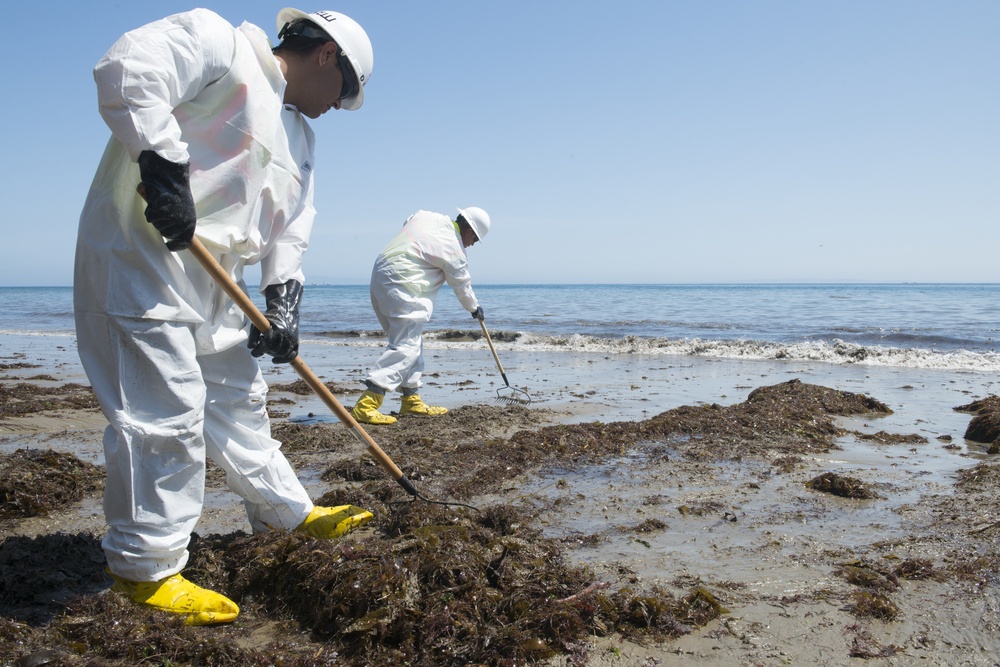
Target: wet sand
x=792, y=566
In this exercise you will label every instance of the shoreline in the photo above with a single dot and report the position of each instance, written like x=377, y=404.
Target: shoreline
x=582, y=386
x=767, y=548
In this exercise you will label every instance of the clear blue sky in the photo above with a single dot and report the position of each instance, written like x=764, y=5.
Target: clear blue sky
x=654, y=142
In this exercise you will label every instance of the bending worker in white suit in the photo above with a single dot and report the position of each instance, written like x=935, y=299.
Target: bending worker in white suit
x=427, y=252
x=210, y=123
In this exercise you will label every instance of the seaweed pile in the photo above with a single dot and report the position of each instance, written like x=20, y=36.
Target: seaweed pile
x=788, y=418
x=35, y=481
x=844, y=486
x=25, y=398
x=422, y=584
x=985, y=426
x=453, y=588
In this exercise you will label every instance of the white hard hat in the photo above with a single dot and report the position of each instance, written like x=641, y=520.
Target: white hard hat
x=478, y=219
x=349, y=36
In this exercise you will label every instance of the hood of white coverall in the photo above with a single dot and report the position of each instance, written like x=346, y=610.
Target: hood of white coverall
x=251, y=166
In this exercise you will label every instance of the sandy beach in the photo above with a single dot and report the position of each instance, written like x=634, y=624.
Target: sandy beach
x=657, y=475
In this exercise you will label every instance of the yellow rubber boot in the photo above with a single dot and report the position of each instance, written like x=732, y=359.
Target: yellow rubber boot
x=414, y=405
x=177, y=595
x=327, y=523
x=366, y=409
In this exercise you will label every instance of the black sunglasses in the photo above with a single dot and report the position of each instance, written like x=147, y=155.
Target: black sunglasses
x=350, y=87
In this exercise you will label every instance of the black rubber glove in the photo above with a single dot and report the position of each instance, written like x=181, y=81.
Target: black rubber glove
x=478, y=313
x=281, y=341
x=169, y=203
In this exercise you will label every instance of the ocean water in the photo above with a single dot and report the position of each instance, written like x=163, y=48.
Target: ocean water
x=933, y=326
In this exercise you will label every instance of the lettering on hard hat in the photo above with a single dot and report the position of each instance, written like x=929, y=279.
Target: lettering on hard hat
x=326, y=16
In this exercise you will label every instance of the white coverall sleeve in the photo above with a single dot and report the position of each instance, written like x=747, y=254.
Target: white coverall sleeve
x=151, y=70
x=456, y=273
x=284, y=261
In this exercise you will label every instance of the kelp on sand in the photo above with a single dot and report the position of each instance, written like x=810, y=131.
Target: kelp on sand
x=423, y=584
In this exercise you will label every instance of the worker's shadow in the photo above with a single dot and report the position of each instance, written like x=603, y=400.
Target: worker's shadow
x=39, y=575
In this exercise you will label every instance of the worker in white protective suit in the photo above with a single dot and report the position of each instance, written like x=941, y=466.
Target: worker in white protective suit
x=428, y=252
x=210, y=123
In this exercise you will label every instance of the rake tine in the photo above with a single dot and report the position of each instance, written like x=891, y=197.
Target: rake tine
x=514, y=398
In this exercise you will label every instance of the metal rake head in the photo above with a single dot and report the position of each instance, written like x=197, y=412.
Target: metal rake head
x=514, y=397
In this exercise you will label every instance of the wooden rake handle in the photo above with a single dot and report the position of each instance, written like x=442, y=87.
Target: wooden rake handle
x=247, y=306
x=494, y=351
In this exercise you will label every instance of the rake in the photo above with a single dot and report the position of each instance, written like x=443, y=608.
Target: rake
x=261, y=322
x=230, y=287
x=509, y=395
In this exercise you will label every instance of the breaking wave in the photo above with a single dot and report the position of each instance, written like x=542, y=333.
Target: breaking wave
x=834, y=352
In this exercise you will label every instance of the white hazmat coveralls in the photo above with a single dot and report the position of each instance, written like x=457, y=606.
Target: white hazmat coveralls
x=408, y=273
x=162, y=344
